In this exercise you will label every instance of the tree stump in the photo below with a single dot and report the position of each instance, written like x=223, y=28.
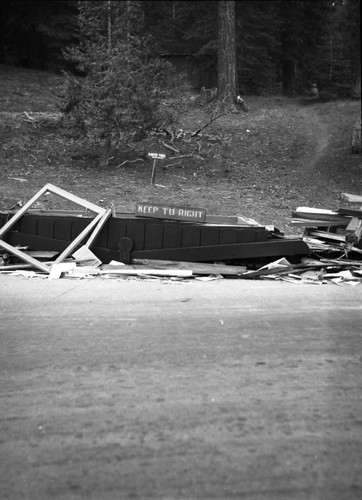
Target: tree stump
x=356, y=138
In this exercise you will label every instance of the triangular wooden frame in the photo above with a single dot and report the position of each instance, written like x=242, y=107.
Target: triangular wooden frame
x=49, y=188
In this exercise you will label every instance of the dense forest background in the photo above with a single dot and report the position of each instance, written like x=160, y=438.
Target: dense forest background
x=87, y=92
x=282, y=46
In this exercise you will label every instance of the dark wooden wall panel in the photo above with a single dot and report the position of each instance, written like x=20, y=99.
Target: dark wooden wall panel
x=27, y=224
x=77, y=226
x=145, y=234
x=117, y=229
x=228, y=235
x=210, y=236
x=136, y=232
x=191, y=236
x=261, y=235
x=102, y=238
x=172, y=236
x=46, y=227
x=246, y=236
x=63, y=229
x=153, y=236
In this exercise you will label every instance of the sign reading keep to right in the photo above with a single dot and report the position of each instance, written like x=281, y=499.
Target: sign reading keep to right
x=170, y=212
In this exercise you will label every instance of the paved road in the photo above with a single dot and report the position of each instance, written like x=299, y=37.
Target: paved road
x=133, y=389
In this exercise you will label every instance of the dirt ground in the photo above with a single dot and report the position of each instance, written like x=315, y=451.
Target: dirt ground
x=263, y=164
x=119, y=389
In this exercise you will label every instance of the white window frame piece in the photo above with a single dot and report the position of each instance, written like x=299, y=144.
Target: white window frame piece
x=50, y=188
x=100, y=225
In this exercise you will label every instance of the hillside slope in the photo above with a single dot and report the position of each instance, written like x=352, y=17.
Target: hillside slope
x=282, y=154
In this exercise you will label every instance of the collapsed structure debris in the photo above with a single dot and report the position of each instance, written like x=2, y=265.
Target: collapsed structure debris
x=333, y=231
x=179, y=243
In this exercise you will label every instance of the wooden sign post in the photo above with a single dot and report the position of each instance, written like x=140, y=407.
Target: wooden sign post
x=155, y=156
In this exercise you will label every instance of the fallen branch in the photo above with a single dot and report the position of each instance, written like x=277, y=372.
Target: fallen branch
x=170, y=147
x=207, y=124
x=173, y=164
x=129, y=161
x=30, y=117
x=182, y=156
x=31, y=120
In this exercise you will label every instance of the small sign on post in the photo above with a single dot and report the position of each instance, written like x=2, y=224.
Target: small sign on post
x=170, y=212
x=155, y=156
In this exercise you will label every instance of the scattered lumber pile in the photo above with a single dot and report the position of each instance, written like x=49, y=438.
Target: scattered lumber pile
x=317, y=271
x=335, y=240
x=329, y=231
x=333, y=243
x=309, y=271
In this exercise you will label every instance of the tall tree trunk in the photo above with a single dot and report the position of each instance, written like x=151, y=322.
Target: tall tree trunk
x=357, y=72
x=289, y=77
x=226, y=74
x=109, y=26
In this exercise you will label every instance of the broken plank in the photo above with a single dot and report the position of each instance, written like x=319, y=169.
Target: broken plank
x=41, y=254
x=343, y=221
x=318, y=244
x=314, y=212
x=265, y=272
x=58, y=269
x=355, y=228
x=196, y=267
x=346, y=262
x=25, y=257
x=142, y=271
x=351, y=198
x=354, y=224
x=355, y=249
x=84, y=256
x=14, y=267
x=327, y=235
x=354, y=212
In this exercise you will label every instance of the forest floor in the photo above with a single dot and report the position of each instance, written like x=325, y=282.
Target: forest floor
x=282, y=154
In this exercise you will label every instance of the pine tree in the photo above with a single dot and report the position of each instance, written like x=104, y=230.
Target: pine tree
x=118, y=101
